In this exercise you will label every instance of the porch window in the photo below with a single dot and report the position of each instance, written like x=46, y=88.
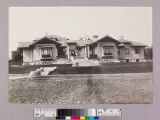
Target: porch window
x=127, y=50
x=118, y=51
x=46, y=52
x=108, y=51
x=137, y=50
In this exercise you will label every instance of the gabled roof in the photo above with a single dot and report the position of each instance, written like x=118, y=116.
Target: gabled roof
x=59, y=38
x=106, y=38
x=61, y=41
x=84, y=42
x=122, y=40
x=137, y=44
x=132, y=43
x=80, y=43
x=45, y=40
x=121, y=45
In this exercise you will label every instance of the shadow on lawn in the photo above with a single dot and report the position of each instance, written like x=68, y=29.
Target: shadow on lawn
x=108, y=68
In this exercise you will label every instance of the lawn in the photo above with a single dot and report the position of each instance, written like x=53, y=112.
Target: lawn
x=107, y=68
x=111, y=83
x=127, y=88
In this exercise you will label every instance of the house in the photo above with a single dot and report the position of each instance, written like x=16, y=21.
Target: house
x=105, y=49
x=131, y=51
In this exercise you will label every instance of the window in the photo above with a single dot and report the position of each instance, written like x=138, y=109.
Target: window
x=118, y=51
x=127, y=50
x=107, y=50
x=137, y=60
x=137, y=51
x=46, y=52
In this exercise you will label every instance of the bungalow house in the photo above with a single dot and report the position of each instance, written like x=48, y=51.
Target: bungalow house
x=130, y=51
x=107, y=49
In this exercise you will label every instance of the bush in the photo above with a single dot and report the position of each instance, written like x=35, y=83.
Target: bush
x=107, y=57
x=93, y=56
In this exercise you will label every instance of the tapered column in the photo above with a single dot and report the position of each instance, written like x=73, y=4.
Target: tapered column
x=85, y=51
x=88, y=51
x=115, y=52
x=68, y=51
x=102, y=51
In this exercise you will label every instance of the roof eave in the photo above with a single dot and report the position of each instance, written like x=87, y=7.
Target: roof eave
x=57, y=43
x=138, y=45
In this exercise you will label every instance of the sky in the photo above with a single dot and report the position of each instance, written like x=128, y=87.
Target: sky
x=29, y=23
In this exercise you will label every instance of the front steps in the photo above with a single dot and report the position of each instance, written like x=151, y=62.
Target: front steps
x=84, y=62
x=43, y=71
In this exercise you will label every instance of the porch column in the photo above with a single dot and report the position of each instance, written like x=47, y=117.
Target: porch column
x=115, y=52
x=31, y=55
x=85, y=51
x=88, y=52
x=68, y=51
x=102, y=51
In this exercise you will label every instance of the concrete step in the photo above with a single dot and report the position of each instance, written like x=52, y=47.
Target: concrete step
x=42, y=71
x=85, y=62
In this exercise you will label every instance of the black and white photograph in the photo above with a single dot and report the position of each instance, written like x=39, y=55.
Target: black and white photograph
x=80, y=55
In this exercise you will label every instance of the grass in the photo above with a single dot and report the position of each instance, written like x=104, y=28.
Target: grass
x=107, y=68
x=128, y=88
x=26, y=69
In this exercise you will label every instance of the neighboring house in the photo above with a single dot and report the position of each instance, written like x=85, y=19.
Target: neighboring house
x=51, y=48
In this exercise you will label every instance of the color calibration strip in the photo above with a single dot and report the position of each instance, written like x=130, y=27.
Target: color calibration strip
x=77, y=118
x=77, y=114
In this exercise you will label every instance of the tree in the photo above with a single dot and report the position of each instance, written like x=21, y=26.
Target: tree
x=17, y=55
x=148, y=52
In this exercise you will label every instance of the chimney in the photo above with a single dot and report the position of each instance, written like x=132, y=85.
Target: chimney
x=95, y=37
x=35, y=40
x=122, y=37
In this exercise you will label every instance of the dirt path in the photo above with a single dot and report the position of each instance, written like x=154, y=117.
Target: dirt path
x=82, y=89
